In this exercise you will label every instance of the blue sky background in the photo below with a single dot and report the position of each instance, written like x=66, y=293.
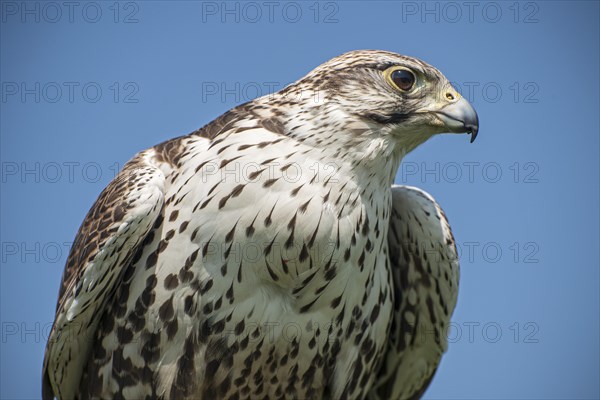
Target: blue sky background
x=84, y=89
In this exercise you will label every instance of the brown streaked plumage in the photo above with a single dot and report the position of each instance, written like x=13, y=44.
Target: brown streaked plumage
x=267, y=254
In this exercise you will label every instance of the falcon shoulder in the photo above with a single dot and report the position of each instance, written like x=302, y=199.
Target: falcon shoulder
x=110, y=239
x=111, y=232
x=425, y=272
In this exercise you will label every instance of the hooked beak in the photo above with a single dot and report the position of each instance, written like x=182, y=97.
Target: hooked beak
x=459, y=117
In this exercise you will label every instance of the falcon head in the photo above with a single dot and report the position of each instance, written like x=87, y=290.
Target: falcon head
x=391, y=93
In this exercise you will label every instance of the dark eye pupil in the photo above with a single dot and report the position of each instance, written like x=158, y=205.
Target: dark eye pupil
x=403, y=79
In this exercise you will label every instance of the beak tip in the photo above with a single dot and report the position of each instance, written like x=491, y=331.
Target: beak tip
x=473, y=129
x=460, y=117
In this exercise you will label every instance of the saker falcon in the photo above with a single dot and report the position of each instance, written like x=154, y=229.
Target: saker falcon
x=268, y=254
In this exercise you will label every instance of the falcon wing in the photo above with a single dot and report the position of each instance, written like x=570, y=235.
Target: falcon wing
x=424, y=265
x=111, y=232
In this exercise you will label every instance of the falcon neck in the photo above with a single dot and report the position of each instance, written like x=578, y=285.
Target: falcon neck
x=367, y=149
x=370, y=158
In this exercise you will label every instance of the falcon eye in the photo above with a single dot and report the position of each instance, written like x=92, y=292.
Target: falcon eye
x=403, y=79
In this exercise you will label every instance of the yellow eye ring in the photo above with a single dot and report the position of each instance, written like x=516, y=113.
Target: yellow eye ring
x=401, y=78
